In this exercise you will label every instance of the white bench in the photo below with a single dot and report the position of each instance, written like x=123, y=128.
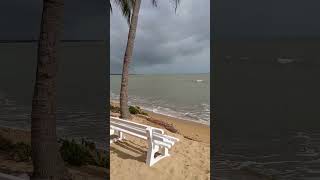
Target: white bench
x=158, y=142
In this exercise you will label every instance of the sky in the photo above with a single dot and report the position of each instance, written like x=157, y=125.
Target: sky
x=166, y=42
x=84, y=19
x=266, y=19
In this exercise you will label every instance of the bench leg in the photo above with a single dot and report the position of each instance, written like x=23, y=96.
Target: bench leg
x=151, y=160
x=165, y=151
x=153, y=149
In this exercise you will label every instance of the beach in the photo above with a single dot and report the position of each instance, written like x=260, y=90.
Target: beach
x=190, y=157
x=9, y=166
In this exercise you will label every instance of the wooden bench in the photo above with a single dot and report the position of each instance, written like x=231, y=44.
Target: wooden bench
x=158, y=142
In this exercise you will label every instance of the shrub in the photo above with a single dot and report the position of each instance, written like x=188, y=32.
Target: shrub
x=133, y=110
x=21, y=152
x=75, y=154
x=136, y=110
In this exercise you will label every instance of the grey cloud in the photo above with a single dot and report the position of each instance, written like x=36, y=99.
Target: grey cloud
x=164, y=39
x=84, y=19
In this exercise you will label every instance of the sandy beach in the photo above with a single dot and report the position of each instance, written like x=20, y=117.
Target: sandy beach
x=190, y=157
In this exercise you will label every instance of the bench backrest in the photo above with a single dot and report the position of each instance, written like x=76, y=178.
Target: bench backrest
x=134, y=124
x=142, y=131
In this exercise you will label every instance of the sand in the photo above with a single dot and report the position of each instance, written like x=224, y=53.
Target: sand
x=190, y=157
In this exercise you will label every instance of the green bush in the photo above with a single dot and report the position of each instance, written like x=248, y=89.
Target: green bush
x=78, y=154
x=21, y=152
x=133, y=110
x=75, y=154
x=136, y=110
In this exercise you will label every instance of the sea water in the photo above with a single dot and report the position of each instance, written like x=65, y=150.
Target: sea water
x=185, y=96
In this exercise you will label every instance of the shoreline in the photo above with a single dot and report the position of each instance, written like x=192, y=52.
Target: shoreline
x=201, y=121
x=188, y=129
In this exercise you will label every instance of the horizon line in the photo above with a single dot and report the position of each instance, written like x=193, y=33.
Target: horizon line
x=160, y=73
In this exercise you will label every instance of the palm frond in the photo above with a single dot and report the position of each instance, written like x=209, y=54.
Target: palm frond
x=126, y=7
x=176, y=3
x=154, y=3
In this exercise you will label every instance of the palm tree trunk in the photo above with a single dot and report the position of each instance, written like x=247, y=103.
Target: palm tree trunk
x=124, y=111
x=46, y=158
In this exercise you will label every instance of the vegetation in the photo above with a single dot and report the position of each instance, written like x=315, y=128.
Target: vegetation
x=19, y=151
x=136, y=110
x=132, y=109
x=84, y=153
x=72, y=152
x=75, y=154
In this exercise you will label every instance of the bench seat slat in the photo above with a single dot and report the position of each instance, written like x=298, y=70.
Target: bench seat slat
x=143, y=132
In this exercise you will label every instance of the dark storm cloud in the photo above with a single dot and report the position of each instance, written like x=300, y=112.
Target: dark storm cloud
x=165, y=41
x=83, y=19
x=265, y=19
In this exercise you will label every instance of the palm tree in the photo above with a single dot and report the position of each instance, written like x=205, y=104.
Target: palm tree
x=46, y=158
x=133, y=20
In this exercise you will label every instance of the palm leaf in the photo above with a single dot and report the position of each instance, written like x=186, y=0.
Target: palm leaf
x=126, y=8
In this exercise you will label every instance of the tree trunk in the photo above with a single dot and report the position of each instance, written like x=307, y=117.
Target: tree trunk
x=46, y=158
x=124, y=111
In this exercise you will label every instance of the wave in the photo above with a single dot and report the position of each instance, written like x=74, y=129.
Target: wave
x=199, y=113
x=301, y=160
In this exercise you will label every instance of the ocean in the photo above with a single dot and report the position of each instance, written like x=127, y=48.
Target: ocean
x=185, y=96
x=81, y=88
x=267, y=112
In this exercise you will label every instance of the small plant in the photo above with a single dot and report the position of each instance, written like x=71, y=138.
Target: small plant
x=136, y=110
x=75, y=154
x=133, y=110
x=21, y=152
